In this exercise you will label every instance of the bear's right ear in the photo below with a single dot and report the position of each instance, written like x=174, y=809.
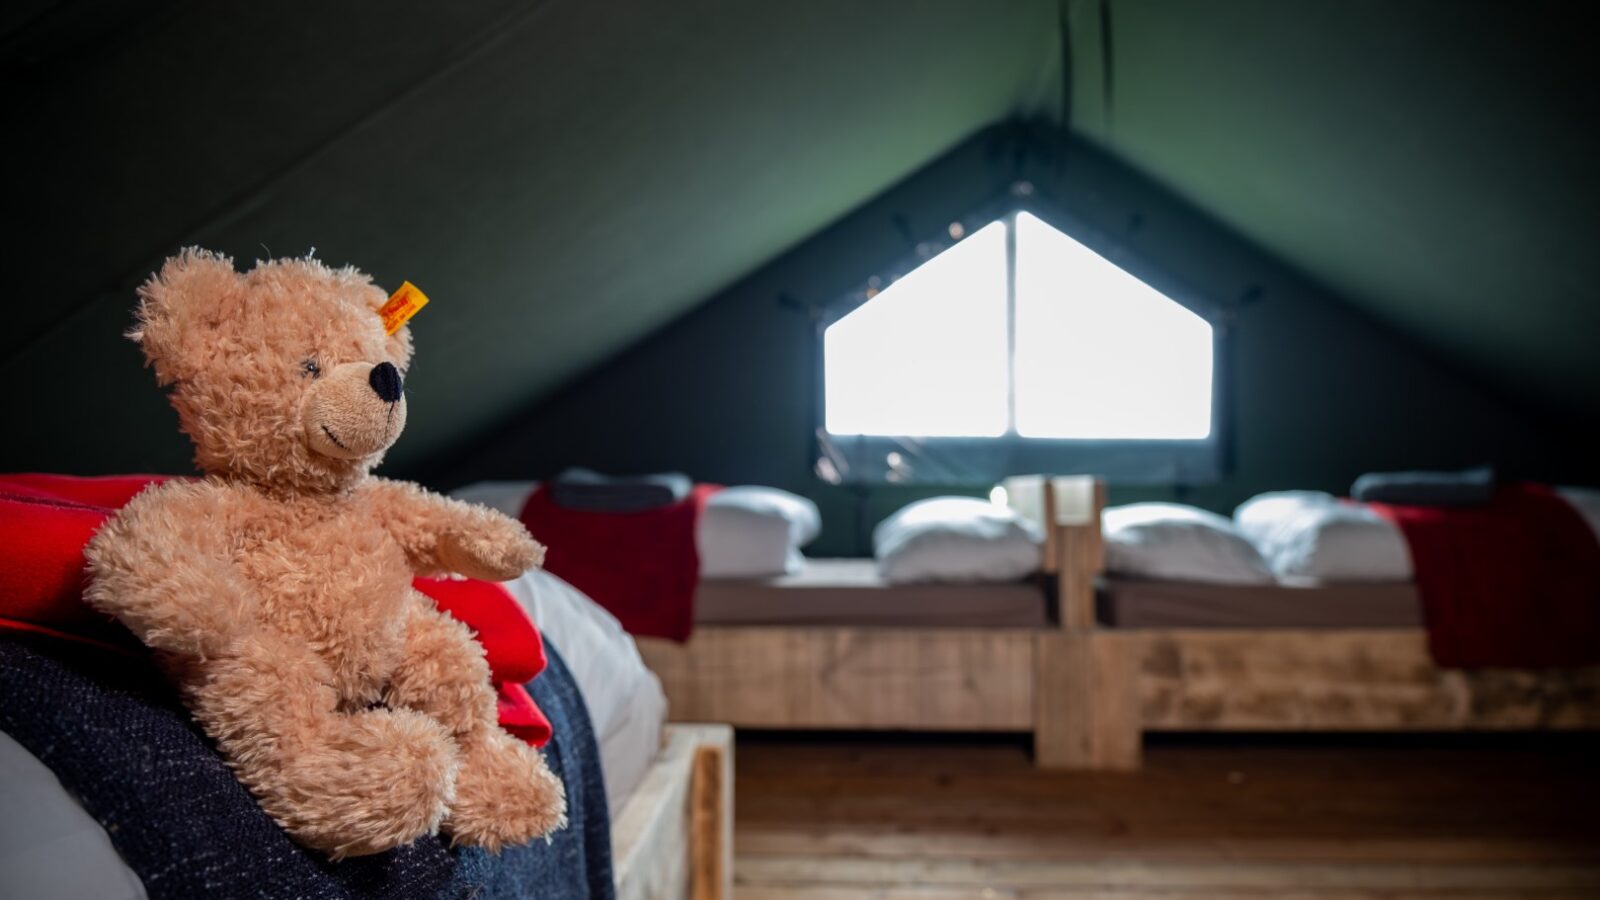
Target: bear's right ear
x=178, y=307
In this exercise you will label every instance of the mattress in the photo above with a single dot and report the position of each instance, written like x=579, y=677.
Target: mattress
x=1135, y=603
x=850, y=592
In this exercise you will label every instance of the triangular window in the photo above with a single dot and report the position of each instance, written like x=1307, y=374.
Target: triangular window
x=1016, y=333
x=1080, y=349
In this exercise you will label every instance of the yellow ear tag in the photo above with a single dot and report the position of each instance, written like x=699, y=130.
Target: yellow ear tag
x=403, y=304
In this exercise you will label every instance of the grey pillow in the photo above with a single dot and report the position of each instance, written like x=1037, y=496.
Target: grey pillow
x=1468, y=487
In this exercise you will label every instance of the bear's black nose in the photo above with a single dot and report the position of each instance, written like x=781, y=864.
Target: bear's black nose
x=385, y=379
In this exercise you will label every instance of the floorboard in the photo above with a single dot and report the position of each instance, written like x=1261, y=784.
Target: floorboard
x=847, y=818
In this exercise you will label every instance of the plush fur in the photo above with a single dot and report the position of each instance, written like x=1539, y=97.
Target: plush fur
x=278, y=589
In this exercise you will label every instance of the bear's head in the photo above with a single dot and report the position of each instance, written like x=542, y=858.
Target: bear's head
x=282, y=376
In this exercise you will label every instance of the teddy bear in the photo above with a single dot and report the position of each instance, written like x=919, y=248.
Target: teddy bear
x=277, y=589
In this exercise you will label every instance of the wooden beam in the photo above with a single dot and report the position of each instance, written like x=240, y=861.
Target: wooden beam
x=1087, y=710
x=711, y=824
x=1079, y=551
x=673, y=838
x=1075, y=580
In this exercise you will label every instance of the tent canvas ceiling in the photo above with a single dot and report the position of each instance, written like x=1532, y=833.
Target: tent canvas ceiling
x=564, y=178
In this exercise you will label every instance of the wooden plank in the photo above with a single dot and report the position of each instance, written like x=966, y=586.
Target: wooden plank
x=662, y=847
x=1367, y=679
x=870, y=678
x=650, y=836
x=1162, y=874
x=1075, y=581
x=941, y=892
x=1050, y=558
x=710, y=824
x=1086, y=707
x=1080, y=550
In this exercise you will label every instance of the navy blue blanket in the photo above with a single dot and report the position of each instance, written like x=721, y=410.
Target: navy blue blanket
x=116, y=736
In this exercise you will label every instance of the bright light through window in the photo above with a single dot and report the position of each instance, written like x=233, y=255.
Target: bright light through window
x=1101, y=354
x=1083, y=351
x=928, y=355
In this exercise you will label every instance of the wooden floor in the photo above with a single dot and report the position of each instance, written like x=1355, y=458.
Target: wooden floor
x=840, y=818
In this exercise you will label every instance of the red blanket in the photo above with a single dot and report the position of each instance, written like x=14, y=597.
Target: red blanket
x=1515, y=583
x=45, y=521
x=642, y=566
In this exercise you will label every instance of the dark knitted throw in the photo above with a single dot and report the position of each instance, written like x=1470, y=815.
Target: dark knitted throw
x=116, y=736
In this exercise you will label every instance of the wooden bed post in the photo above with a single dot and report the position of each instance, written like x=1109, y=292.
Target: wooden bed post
x=1067, y=510
x=711, y=824
x=1086, y=698
x=1087, y=702
x=673, y=839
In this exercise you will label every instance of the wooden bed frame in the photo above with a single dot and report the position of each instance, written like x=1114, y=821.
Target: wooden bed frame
x=1088, y=693
x=673, y=839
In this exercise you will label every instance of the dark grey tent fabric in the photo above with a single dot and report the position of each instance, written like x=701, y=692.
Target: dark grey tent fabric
x=116, y=736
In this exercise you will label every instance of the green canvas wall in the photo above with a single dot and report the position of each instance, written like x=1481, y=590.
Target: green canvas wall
x=1319, y=391
x=569, y=180
x=561, y=177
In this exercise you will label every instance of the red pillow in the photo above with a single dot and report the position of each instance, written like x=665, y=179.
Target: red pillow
x=512, y=643
x=107, y=491
x=45, y=521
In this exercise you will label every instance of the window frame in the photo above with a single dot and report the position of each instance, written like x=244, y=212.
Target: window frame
x=978, y=461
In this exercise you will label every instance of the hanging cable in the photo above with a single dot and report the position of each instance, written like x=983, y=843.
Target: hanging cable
x=1107, y=62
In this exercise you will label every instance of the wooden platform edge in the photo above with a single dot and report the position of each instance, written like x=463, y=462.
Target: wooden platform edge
x=673, y=838
x=766, y=676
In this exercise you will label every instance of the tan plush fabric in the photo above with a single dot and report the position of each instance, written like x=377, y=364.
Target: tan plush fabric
x=278, y=588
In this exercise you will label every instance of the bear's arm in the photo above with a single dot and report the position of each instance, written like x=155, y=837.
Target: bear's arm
x=163, y=566
x=441, y=535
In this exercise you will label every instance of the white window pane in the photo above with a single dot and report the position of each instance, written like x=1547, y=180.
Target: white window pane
x=927, y=356
x=1101, y=354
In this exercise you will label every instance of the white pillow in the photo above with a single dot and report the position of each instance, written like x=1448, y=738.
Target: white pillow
x=1316, y=536
x=1179, y=543
x=956, y=539
x=755, y=532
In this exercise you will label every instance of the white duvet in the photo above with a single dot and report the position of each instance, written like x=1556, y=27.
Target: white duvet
x=626, y=705
x=1313, y=535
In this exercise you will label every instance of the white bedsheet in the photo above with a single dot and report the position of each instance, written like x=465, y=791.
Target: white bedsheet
x=626, y=705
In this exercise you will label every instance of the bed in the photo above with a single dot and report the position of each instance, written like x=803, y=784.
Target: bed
x=1085, y=662
x=835, y=647
x=1140, y=656
x=668, y=787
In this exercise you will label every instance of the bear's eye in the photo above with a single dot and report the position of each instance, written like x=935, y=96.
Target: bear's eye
x=311, y=367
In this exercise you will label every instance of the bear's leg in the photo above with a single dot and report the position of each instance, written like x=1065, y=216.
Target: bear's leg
x=348, y=784
x=505, y=794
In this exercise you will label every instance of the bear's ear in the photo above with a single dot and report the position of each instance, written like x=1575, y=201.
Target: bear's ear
x=178, y=305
